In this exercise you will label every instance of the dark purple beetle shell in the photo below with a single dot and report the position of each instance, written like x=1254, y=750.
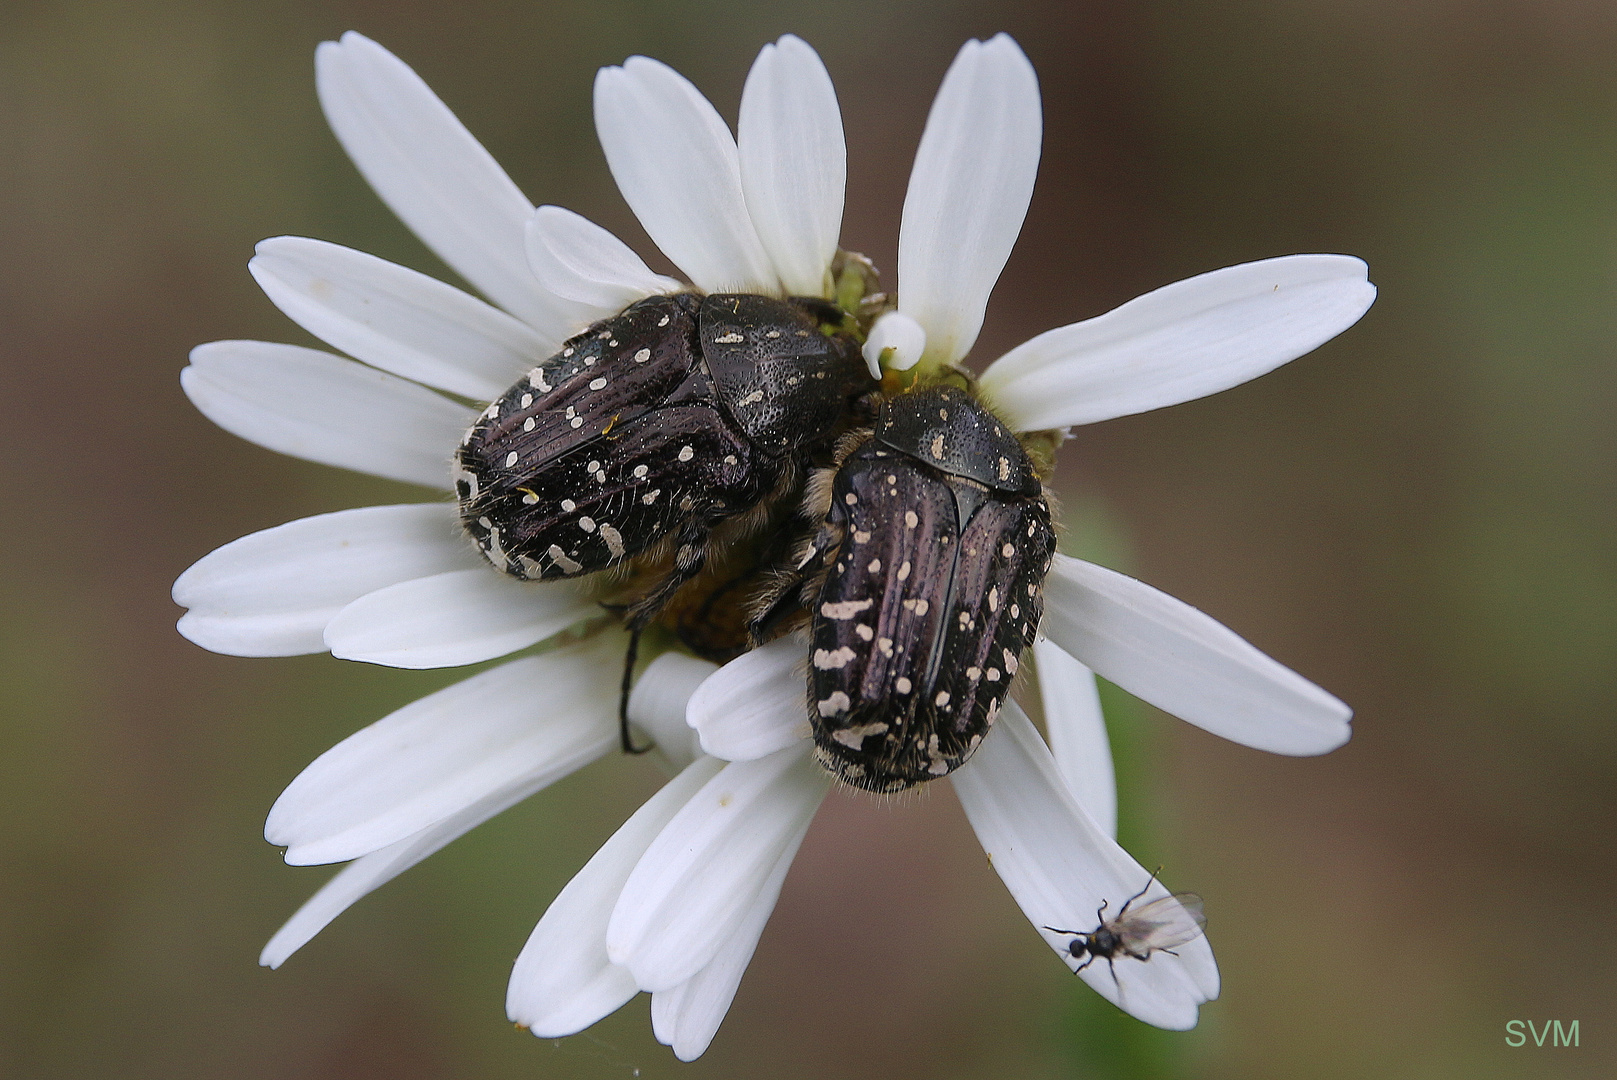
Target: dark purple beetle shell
x=674, y=415
x=935, y=591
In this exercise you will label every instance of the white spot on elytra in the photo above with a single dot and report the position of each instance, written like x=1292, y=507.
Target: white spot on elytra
x=832, y=659
x=865, y=633
x=974, y=673
x=559, y=557
x=640, y=471
x=614, y=540
x=661, y=322
x=910, y=519
x=855, y=737
x=843, y=609
x=527, y=399
x=875, y=566
x=904, y=571
x=885, y=645
x=993, y=674
x=536, y=379
x=919, y=607
x=851, y=499
x=942, y=699
x=902, y=685
x=569, y=505
x=529, y=498
x=598, y=384
x=510, y=459
x=643, y=355
x=528, y=424
x=861, y=537
x=752, y=399
x=587, y=524
x=835, y=704
x=732, y=338
x=1010, y=660
x=937, y=446
x=1008, y=550
x=686, y=453
x=651, y=496
x=577, y=421
x=993, y=598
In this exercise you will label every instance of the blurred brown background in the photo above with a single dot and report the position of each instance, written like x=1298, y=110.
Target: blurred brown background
x=1419, y=516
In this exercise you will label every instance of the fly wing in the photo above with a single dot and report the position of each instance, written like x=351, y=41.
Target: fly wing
x=1162, y=924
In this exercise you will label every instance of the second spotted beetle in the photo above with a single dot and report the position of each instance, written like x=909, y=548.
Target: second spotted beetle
x=923, y=584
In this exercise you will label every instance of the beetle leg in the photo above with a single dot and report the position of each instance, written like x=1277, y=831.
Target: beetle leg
x=629, y=657
x=690, y=555
x=786, y=595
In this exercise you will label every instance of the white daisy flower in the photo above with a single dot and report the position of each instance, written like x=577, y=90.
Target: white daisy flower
x=402, y=585
x=692, y=878
x=675, y=901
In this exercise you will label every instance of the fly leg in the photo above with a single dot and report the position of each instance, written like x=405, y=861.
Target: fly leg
x=1142, y=892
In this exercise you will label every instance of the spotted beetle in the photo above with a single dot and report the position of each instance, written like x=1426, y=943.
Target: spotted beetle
x=924, y=584
x=651, y=429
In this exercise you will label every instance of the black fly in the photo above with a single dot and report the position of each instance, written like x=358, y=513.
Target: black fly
x=1159, y=926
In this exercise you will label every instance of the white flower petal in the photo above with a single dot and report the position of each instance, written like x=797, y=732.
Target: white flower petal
x=969, y=191
x=462, y=617
x=1077, y=728
x=395, y=318
x=575, y=258
x=754, y=705
x=1060, y=867
x=896, y=342
x=437, y=178
x=676, y=164
x=317, y=406
x=687, y=1016
x=699, y=877
x=456, y=618
x=794, y=163
x=1180, y=342
x=534, y=717
x=372, y=871
x=273, y=592
x=658, y=701
x=1185, y=663
x=563, y=982
x=538, y=717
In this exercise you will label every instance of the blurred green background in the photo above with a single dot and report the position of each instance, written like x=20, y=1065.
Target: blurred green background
x=1419, y=516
